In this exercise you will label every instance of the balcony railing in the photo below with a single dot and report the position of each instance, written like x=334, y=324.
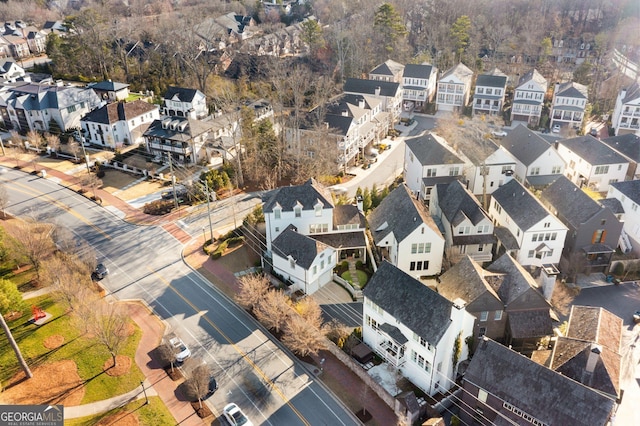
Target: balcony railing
x=390, y=355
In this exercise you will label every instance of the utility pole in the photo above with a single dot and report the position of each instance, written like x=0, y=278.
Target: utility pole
x=86, y=157
x=2, y=145
x=173, y=181
x=484, y=171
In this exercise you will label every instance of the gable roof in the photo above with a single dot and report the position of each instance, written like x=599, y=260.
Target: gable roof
x=491, y=80
x=572, y=203
x=389, y=67
x=109, y=86
x=457, y=203
x=191, y=129
x=632, y=93
x=307, y=195
x=118, y=111
x=525, y=145
x=630, y=189
x=464, y=280
x=181, y=93
x=535, y=76
x=613, y=204
x=510, y=280
x=301, y=248
x=590, y=352
x=369, y=87
x=534, y=389
x=592, y=150
x=627, y=145
x=418, y=71
x=348, y=214
x=572, y=90
x=428, y=150
x=460, y=71
x=410, y=302
x=401, y=214
x=522, y=206
x=34, y=96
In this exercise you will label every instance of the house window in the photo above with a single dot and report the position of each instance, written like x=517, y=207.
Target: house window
x=480, y=248
x=634, y=207
x=598, y=236
x=497, y=316
x=412, y=266
x=315, y=269
x=431, y=172
x=454, y=171
x=601, y=170
x=318, y=210
x=531, y=254
x=372, y=323
x=277, y=229
x=425, y=265
x=484, y=315
x=71, y=109
x=297, y=211
x=556, y=170
x=322, y=264
x=414, y=248
x=277, y=213
x=292, y=263
x=535, y=171
x=482, y=395
x=482, y=331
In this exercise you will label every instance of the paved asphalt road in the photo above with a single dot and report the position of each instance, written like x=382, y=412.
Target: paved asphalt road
x=145, y=262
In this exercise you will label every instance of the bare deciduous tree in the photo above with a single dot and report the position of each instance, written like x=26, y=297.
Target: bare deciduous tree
x=197, y=385
x=68, y=279
x=166, y=355
x=252, y=290
x=274, y=310
x=33, y=242
x=108, y=323
x=310, y=311
x=302, y=338
x=52, y=141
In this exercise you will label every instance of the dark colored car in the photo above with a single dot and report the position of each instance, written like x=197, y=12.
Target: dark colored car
x=213, y=387
x=636, y=317
x=100, y=272
x=593, y=132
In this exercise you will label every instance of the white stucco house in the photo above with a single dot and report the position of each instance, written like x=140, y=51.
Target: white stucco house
x=525, y=229
x=388, y=93
x=406, y=235
x=120, y=123
x=415, y=329
x=429, y=160
x=184, y=102
x=304, y=264
x=536, y=159
x=419, y=82
x=528, y=98
x=628, y=194
x=626, y=113
x=454, y=88
x=488, y=97
x=591, y=163
x=569, y=103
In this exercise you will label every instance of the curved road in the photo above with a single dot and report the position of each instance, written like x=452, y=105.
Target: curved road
x=253, y=370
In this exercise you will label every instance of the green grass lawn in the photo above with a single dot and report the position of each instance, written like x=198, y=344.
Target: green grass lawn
x=362, y=277
x=155, y=413
x=88, y=355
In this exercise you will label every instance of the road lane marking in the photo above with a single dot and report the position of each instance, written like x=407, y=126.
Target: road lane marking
x=237, y=349
x=60, y=205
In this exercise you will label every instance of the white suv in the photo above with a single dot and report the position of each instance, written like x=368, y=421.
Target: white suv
x=182, y=351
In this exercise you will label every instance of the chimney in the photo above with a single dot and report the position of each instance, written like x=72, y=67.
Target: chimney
x=359, y=203
x=361, y=103
x=377, y=91
x=594, y=355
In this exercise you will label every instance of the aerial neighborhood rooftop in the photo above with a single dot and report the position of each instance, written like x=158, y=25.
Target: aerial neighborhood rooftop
x=454, y=203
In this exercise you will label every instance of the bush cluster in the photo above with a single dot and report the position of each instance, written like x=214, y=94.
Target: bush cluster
x=158, y=207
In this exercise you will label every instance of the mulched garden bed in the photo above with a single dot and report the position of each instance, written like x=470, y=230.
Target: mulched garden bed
x=203, y=412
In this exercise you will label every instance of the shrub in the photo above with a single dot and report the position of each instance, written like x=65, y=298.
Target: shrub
x=158, y=207
x=358, y=332
x=359, y=264
x=234, y=241
x=217, y=254
x=618, y=269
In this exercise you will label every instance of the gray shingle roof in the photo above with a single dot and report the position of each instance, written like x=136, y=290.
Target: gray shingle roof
x=417, y=71
x=342, y=240
x=340, y=124
x=109, y=86
x=571, y=203
x=592, y=150
x=530, y=324
x=535, y=76
x=412, y=303
x=43, y=96
x=348, y=215
x=118, y=111
x=630, y=189
x=301, y=248
x=389, y=68
x=465, y=280
x=490, y=80
x=461, y=71
x=456, y=203
x=627, y=145
x=401, y=213
x=522, y=206
x=193, y=128
x=506, y=238
x=614, y=205
x=428, y=151
x=525, y=145
x=183, y=94
x=633, y=93
x=510, y=280
x=307, y=194
x=537, y=390
x=369, y=87
x=572, y=90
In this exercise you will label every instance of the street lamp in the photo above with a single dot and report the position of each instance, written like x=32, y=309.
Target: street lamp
x=146, y=402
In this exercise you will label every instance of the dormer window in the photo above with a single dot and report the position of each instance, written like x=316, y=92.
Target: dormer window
x=297, y=210
x=277, y=212
x=318, y=209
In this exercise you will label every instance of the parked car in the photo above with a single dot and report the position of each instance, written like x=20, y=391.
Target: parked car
x=499, y=133
x=100, y=272
x=235, y=416
x=213, y=387
x=636, y=316
x=593, y=132
x=182, y=351
x=556, y=128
